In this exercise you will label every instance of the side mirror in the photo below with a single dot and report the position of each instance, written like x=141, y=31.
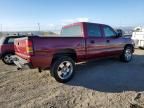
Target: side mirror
x=119, y=34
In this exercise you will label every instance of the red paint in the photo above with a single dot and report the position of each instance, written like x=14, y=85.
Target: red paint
x=6, y=48
x=44, y=48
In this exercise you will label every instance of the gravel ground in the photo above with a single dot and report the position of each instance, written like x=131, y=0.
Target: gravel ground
x=106, y=83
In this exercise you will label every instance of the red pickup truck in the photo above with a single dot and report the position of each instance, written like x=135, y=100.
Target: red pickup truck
x=78, y=42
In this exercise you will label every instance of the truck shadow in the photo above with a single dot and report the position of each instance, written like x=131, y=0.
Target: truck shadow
x=110, y=75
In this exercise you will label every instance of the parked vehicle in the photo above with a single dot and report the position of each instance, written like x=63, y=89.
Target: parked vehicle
x=7, y=48
x=138, y=37
x=78, y=42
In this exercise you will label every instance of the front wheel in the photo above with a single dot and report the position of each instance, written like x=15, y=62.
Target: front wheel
x=63, y=69
x=127, y=54
x=6, y=58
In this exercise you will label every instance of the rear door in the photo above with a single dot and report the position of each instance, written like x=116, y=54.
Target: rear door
x=113, y=44
x=95, y=43
x=8, y=45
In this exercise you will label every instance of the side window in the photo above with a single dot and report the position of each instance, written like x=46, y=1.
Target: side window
x=93, y=30
x=109, y=32
x=9, y=41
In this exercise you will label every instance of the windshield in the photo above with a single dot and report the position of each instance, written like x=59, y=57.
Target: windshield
x=73, y=31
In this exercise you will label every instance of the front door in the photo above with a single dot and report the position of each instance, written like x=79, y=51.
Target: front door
x=113, y=43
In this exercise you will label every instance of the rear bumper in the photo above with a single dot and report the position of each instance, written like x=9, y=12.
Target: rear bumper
x=35, y=61
x=21, y=63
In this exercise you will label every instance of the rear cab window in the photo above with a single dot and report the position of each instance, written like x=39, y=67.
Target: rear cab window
x=72, y=31
x=94, y=30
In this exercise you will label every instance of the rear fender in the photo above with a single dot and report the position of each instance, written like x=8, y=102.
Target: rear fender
x=65, y=52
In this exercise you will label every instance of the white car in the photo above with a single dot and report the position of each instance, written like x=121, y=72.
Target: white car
x=138, y=37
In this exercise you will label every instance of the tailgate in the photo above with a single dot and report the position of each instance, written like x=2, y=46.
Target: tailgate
x=23, y=47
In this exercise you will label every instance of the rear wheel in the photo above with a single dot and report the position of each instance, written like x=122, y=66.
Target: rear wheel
x=63, y=69
x=6, y=58
x=127, y=54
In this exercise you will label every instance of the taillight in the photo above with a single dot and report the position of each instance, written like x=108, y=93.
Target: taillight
x=29, y=47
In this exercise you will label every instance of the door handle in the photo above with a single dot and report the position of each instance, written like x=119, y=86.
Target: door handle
x=92, y=41
x=108, y=41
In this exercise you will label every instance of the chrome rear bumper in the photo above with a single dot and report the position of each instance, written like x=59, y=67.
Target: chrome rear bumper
x=21, y=63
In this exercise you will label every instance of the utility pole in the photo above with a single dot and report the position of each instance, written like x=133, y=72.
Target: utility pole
x=38, y=26
x=0, y=29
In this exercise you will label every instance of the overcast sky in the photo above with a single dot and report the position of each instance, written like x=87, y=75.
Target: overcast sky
x=52, y=14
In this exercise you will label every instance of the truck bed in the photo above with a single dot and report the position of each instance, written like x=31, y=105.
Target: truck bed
x=43, y=48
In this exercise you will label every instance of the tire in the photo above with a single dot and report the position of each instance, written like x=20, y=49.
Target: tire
x=127, y=54
x=142, y=48
x=63, y=69
x=6, y=58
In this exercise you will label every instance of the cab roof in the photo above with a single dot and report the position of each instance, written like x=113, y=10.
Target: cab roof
x=80, y=23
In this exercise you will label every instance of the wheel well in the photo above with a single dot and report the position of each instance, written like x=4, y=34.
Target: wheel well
x=129, y=45
x=71, y=54
x=7, y=53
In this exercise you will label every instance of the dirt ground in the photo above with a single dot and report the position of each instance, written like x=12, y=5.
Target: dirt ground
x=105, y=83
